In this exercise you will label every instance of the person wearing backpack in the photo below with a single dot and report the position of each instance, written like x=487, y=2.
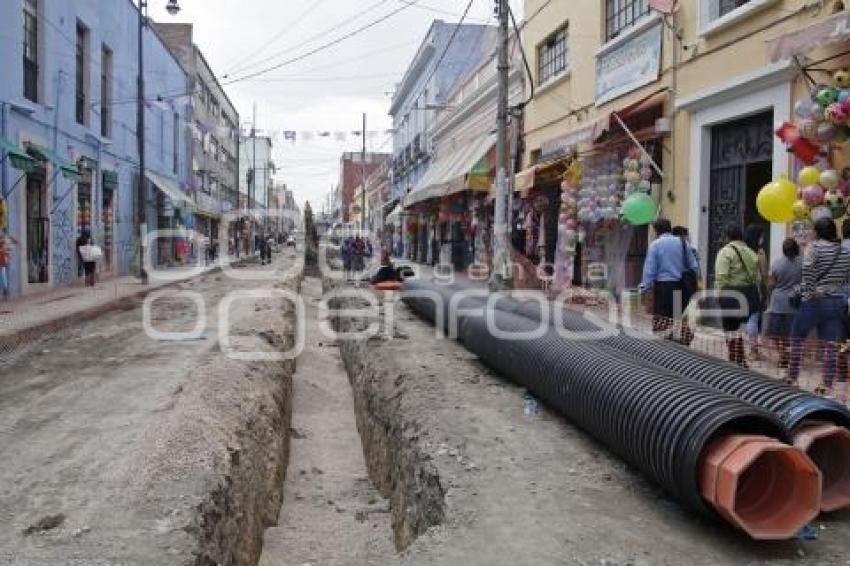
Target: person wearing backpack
x=670, y=272
x=737, y=276
x=822, y=304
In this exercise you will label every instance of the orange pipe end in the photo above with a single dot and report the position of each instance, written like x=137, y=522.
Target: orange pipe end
x=768, y=489
x=828, y=446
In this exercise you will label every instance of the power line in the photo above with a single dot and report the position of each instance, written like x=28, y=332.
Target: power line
x=312, y=38
x=324, y=46
x=239, y=64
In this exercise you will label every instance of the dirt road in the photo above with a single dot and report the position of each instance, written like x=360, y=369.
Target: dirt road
x=332, y=516
x=116, y=447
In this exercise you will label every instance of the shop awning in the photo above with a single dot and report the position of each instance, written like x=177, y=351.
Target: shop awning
x=170, y=188
x=69, y=170
x=831, y=31
x=395, y=216
x=538, y=174
x=17, y=157
x=450, y=174
x=609, y=123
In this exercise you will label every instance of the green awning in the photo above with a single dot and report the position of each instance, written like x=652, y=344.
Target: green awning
x=69, y=170
x=18, y=158
x=110, y=179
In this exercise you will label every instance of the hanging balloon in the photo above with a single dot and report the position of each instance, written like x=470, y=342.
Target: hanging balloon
x=639, y=209
x=800, y=229
x=819, y=212
x=775, y=201
x=800, y=210
x=809, y=176
x=835, y=114
x=836, y=204
x=844, y=188
x=826, y=132
x=813, y=195
x=803, y=108
x=808, y=127
x=829, y=179
x=826, y=96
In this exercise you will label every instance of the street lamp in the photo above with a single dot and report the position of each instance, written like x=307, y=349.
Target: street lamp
x=173, y=8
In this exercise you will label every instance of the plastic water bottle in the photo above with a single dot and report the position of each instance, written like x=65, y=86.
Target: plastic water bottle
x=530, y=407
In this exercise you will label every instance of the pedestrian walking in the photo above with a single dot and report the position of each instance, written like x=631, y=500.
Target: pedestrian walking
x=358, y=253
x=784, y=279
x=737, y=276
x=754, y=238
x=345, y=253
x=90, y=254
x=826, y=273
x=6, y=243
x=81, y=241
x=669, y=268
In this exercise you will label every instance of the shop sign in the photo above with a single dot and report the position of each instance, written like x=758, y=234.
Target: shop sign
x=628, y=66
x=207, y=204
x=563, y=145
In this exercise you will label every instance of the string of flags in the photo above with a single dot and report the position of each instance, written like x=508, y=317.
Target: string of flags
x=200, y=127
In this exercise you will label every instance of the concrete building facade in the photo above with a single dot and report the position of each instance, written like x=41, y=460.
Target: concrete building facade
x=696, y=84
x=214, y=143
x=69, y=145
x=439, y=64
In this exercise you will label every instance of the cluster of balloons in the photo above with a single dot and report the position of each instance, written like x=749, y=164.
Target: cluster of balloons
x=820, y=194
x=823, y=116
x=639, y=207
x=820, y=119
x=568, y=219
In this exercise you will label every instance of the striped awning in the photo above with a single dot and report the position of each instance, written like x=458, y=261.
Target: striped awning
x=451, y=173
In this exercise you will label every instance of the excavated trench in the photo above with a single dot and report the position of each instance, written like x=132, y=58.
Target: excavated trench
x=245, y=498
x=397, y=461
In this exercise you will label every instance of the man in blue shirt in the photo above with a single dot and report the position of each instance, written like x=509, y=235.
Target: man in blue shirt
x=666, y=262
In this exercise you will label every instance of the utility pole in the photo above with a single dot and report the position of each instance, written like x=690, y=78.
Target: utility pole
x=252, y=189
x=502, y=272
x=140, y=135
x=363, y=179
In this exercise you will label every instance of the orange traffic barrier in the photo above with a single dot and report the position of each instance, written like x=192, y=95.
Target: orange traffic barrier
x=828, y=446
x=766, y=488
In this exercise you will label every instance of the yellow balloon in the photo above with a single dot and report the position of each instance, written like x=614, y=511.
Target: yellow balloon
x=775, y=202
x=786, y=188
x=800, y=210
x=809, y=176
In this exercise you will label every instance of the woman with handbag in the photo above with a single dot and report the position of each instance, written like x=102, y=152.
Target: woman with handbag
x=736, y=271
x=826, y=270
x=754, y=238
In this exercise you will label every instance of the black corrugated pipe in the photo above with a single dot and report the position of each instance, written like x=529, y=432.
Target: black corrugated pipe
x=696, y=442
x=799, y=411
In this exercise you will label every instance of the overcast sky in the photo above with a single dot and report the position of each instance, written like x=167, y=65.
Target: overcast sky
x=327, y=91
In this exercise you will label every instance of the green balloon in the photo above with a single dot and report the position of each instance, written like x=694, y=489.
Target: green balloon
x=639, y=209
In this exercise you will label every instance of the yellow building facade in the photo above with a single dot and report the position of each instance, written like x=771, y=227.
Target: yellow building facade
x=705, y=84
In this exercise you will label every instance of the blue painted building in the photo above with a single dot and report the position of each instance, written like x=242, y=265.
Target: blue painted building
x=68, y=134
x=423, y=91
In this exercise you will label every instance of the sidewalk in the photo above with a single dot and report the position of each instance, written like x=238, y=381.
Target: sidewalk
x=25, y=318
